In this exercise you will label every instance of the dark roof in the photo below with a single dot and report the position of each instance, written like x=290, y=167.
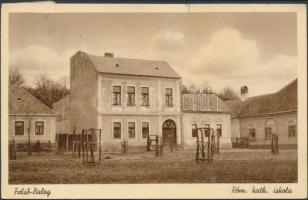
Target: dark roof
x=285, y=100
x=128, y=66
x=203, y=103
x=234, y=106
x=21, y=102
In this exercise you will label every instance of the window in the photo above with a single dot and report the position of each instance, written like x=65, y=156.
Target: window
x=207, y=129
x=218, y=129
x=168, y=94
x=130, y=95
x=252, y=133
x=144, y=96
x=39, y=128
x=145, y=129
x=19, y=128
x=292, y=129
x=194, y=131
x=269, y=129
x=117, y=130
x=116, y=95
x=268, y=133
x=131, y=130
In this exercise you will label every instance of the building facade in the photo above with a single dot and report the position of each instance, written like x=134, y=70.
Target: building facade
x=127, y=99
x=28, y=117
x=205, y=110
x=257, y=118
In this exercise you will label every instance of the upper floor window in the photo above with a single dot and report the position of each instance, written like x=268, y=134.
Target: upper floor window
x=194, y=130
x=39, y=128
x=117, y=130
x=131, y=130
x=169, y=98
x=218, y=129
x=145, y=96
x=130, y=95
x=145, y=129
x=292, y=129
x=19, y=128
x=116, y=95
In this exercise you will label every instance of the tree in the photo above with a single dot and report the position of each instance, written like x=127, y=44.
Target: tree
x=47, y=90
x=228, y=94
x=15, y=77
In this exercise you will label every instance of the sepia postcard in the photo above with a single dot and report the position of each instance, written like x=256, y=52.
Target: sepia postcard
x=153, y=101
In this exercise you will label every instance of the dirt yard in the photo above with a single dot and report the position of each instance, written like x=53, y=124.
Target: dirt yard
x=244, y=166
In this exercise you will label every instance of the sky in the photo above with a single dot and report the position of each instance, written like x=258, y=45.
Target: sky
x=216, y=50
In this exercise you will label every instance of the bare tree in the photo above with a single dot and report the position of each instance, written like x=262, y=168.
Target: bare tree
x=47, y=90
x=15, y=77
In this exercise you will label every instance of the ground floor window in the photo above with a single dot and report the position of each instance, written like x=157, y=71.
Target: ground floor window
x=194, y=131
x=131, y=130
x=292, y=130
x=117, y=130
x=218, y=129
x=252, y=133
x=19, y=128
x=145, y=129
x=39, y=128
x=268, y=133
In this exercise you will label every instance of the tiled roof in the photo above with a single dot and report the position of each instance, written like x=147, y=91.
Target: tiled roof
x=128, y=66
x=21, y=102
x=282, y=101
x=234, y=106
x=203, y=103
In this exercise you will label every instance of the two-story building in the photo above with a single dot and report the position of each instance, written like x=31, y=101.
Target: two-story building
x=127, y=99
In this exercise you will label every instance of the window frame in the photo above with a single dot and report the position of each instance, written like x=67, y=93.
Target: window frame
x=112, y=90
x=35, y=128
x=127, y=129
x=141, y=96
x=167, y=103
x=194, y=129
x=121, y=135
x=127, y=95
x=23, y=129
x=295, y=131
x=149, y=123
x=252, y=130
x=217, y=125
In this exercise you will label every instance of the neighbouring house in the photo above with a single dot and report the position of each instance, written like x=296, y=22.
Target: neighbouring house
x=205, y=110
x=257, y=118
x=127, y=99
x=28, y=116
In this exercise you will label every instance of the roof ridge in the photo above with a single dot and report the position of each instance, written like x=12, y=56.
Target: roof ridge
x=150, y=60
x=290, y=83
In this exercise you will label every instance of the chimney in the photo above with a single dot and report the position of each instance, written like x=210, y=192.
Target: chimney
x=108, y=55
x=244, y=93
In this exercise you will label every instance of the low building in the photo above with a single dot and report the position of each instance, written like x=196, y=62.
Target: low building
x=257, y=118
x=205, y=110
x=29, y=117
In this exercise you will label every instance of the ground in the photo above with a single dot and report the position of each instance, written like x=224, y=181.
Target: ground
x=233, y=166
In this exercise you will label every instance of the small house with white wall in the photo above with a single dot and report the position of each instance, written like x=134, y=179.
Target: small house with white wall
x=205, y=110
x=29, y=117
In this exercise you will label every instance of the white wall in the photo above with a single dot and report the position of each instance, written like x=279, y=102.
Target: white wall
x=207, y=118
x=49, y=129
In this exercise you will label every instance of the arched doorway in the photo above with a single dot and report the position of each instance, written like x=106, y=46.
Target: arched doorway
x=169, y=132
